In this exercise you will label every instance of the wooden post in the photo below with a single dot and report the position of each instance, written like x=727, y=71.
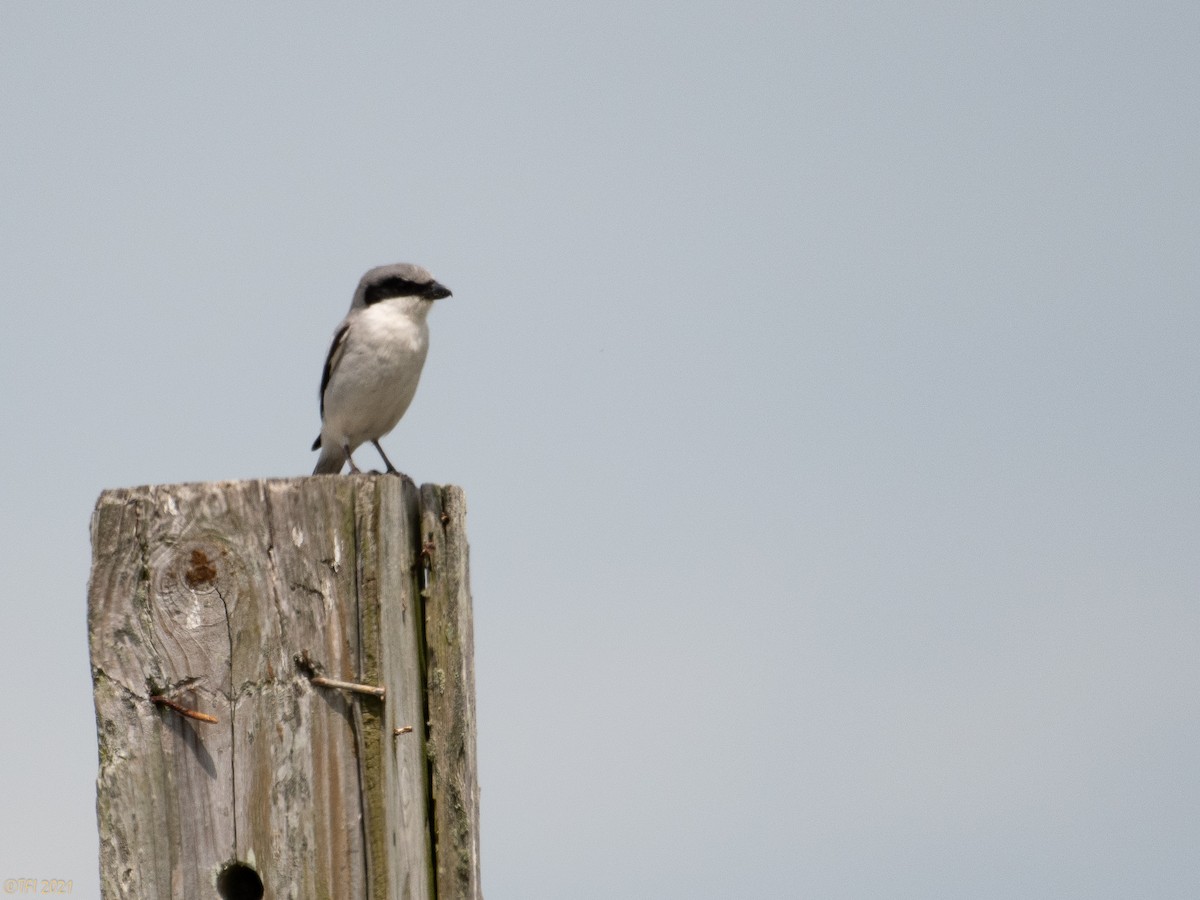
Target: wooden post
x=284, y=686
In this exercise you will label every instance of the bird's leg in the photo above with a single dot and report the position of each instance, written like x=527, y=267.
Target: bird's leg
x=354, y=470
x=391, y=470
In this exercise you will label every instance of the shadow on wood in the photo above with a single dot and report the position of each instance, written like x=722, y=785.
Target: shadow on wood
x=284, y=686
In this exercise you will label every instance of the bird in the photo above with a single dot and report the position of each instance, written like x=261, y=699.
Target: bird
x=374, y=363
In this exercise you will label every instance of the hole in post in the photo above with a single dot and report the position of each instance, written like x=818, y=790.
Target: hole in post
x=239, y=881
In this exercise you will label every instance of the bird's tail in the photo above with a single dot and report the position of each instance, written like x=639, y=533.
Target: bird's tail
x=330, y=461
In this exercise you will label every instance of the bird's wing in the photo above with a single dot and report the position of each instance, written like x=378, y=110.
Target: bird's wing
x=336, y=349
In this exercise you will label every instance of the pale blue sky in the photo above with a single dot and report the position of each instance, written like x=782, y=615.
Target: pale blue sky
x=823, y=379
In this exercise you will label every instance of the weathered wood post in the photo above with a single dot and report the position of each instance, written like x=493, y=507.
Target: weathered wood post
x=284, y=686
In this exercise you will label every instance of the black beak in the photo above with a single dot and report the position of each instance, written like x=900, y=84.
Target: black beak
x=435, y=291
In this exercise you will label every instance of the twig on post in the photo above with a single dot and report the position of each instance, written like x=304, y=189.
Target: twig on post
x=166, y=698
x=313, y=671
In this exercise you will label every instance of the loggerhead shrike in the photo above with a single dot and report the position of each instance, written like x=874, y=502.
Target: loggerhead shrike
x=374, y=363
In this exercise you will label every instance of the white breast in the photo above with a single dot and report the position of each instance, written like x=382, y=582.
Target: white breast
x=377, y=375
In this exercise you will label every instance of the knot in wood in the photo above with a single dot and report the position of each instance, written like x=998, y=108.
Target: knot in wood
x=201, y=571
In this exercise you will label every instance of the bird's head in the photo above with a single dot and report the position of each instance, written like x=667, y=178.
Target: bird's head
x=399, y=280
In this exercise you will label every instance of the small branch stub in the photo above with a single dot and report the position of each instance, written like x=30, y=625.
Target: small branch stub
x=313, y=671
x=167, y=697
x=160, y=700
x=369, y=689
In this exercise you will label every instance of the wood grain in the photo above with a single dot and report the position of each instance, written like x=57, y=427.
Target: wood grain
x=450, y=677
x=206, y=594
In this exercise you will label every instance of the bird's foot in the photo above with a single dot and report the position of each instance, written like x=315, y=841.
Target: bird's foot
x=391, y=470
